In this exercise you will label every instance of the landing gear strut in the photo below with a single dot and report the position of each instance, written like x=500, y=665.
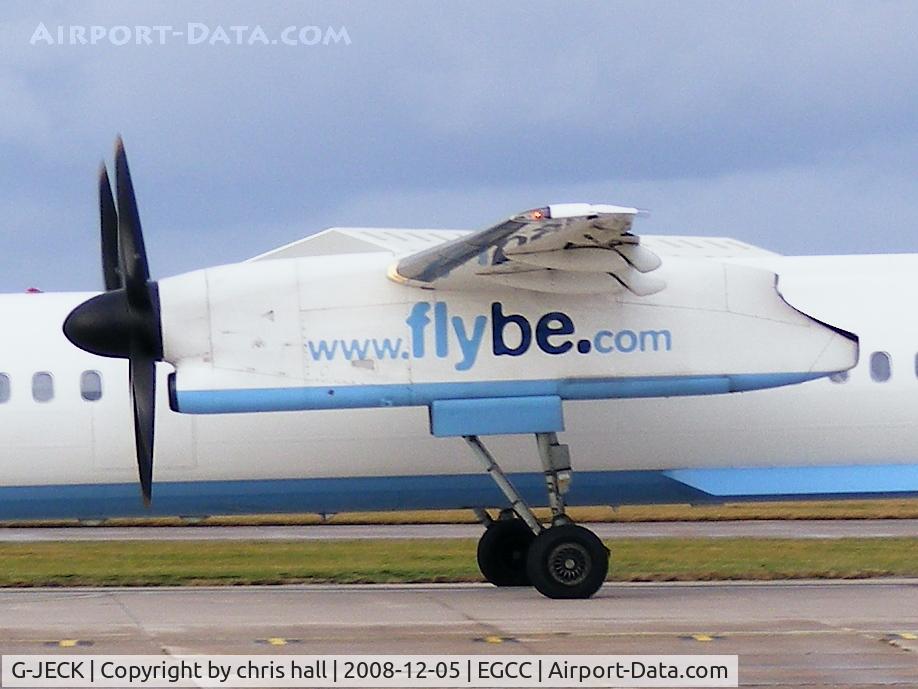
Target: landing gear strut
x=563, y=560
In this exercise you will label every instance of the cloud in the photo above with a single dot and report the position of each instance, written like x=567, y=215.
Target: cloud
x=794, y=210
x=437, y=113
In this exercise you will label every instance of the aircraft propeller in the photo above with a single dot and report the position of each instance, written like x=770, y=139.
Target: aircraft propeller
x=124, y=321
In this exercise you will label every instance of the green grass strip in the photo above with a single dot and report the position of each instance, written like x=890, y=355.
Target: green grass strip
x=189, y=563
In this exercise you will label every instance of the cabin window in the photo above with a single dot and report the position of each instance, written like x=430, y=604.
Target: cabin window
x=880, y=370
x=4, y=388
x=91, y=386
x=839, y=377
x=42, y=387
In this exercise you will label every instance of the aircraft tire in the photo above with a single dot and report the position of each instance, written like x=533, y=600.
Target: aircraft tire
x=502, y=553
x=567, y=561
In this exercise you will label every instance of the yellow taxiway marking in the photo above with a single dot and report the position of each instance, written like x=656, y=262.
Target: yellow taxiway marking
x=278, y=641
x=496, y=639
x=68, y=643
x=704, y=638
x=908, y=635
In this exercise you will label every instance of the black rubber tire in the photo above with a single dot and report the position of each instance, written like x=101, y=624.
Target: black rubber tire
x=502, y=552
x=567, y=561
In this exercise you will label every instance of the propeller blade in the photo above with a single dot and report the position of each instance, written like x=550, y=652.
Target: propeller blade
x=125, y=322
x=143, y=399
x=134, y=267
x=108, y=216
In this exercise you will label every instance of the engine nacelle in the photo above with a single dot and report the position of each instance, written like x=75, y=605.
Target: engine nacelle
x=333, y=332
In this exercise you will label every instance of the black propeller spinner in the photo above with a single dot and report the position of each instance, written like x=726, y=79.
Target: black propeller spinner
x=124, y=321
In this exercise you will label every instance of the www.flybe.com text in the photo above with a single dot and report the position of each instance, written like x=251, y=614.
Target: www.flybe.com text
x=432, y=331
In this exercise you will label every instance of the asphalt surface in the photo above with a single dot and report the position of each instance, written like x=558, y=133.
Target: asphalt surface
x=864, y=528
x=799, y=634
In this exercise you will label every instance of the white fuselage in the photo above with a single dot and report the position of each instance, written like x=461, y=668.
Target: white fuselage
x=73, y=457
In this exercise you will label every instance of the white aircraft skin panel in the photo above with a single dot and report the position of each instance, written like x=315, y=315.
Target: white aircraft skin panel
x=255, y=330
x=344, y=240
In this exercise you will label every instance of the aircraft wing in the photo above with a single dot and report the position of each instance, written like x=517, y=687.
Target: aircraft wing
x=564, y=248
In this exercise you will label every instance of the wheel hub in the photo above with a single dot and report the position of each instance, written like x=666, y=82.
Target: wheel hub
x=569, y=564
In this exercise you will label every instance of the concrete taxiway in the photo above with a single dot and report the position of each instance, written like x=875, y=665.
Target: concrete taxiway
x=841, y=528
x=799, y=634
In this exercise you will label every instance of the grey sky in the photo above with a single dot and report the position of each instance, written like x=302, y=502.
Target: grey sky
x=790, y=125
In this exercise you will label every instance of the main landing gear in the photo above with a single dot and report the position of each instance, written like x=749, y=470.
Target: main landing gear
x=563, y=560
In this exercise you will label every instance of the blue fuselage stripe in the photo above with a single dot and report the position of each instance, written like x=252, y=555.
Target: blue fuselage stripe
x=784, y=481
x=423, y=394
x=454, y=491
